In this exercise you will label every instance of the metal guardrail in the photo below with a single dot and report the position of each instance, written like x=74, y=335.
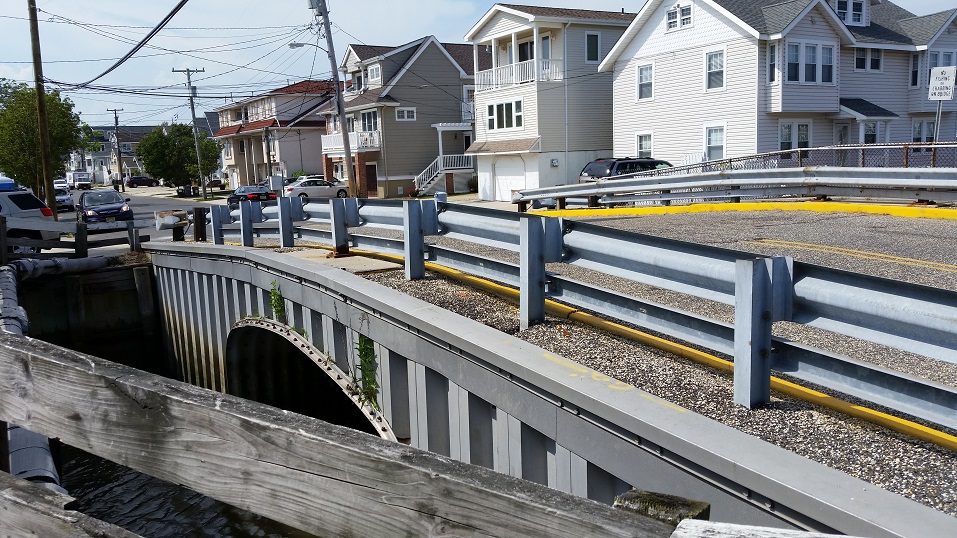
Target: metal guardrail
x=908, y=317
x=866, y=167
x=81, y=243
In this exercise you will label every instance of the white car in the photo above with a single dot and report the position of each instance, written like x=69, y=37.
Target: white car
x=307, y=188
x=60, y=183
x=16, y=203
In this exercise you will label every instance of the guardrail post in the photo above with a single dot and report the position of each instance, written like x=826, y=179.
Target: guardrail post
x=430, y=217
x=414, y=240
x=199, y=224
x=134, y=236
x=296, y=206
x=220, y=216
x=81, y=248
x=285, y=223
x=532, y=272
x=337, y=218
x=246, y=222
x=753, y=313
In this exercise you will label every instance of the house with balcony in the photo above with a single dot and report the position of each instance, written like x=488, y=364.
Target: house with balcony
x=275, y=133
x=101, y=160
x=409, y=114
x=544, y=110
x=698, y=80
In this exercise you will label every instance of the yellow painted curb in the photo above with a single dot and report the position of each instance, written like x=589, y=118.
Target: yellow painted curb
x=819, y=207
x=891, y=422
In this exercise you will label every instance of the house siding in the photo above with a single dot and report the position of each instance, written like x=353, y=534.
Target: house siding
x=796, y=97
x=681, y=107
x=589, y=127
x=432, y=86
x=499, y=25
x=918, y=97
x=529, y=96
x=882, y=88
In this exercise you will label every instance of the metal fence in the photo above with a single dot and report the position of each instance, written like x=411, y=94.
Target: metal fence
x=909, y=317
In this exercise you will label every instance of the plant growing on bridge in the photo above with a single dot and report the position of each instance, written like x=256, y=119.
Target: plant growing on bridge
x=367, y=386
x=277, y=303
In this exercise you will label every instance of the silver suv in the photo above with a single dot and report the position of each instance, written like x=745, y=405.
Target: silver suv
x=16, y=203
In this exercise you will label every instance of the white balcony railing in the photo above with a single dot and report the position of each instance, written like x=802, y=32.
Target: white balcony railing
x=520, y=73
x=358, y=141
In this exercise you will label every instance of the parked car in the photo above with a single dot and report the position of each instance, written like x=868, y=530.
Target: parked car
x=64, y=200
x=60, y=183
x=602, y=168
x=141, y=181
x=16, y=203
x=216, y=183
x=250, y=192
x=308, y=187
x=103, y=205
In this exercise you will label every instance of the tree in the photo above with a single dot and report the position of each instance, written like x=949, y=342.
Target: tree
x=20, y=133
x=169, y=152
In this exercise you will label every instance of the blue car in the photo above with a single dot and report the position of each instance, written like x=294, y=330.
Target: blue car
x=102, y=206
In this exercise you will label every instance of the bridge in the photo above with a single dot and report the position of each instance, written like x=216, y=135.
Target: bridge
x=274, y=326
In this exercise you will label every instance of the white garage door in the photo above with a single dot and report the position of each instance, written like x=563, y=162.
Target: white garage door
x=509, y=175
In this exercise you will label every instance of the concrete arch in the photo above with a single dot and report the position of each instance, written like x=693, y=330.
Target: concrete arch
x=268, y=362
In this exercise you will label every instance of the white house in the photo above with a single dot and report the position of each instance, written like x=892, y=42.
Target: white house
x=543, y=111
x=710, y=79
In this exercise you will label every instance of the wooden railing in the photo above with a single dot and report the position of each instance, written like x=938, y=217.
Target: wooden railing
x=27, y=232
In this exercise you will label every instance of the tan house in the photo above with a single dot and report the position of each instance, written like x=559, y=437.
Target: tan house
x=276, y=133
x=409, y=115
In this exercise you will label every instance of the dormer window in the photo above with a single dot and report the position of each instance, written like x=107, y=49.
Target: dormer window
x=851, y=12
x=375, y=73
x=678, y=16
x=357, y=81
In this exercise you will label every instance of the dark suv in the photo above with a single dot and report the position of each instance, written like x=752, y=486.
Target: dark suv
x=602, y=168
x=141, y=181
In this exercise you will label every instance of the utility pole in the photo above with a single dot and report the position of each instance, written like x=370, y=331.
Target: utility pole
x=119, y=153
x=267, y=141
x=192, y=112
x=323, y=12
x=45, y=157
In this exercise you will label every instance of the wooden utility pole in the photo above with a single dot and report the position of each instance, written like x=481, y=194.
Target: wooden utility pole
x=323, y=12
x=119, y=153
x=192, y=111
x=45, y=158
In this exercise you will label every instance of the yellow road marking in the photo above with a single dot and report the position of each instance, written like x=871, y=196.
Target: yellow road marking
x=877, y=256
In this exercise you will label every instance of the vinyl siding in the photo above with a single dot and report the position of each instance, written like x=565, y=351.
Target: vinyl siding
x=797, y=97
x=433, y=87
x=500, y=25
x=884, y=88
x=529, y=97
x=919, y=102
x=589, y=96
x=681, y=107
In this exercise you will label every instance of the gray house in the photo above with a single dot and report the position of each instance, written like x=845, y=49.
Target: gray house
x=410, y=117
x=544, y=110
x=709, y=79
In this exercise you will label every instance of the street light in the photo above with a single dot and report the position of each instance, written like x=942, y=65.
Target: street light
x=341, y=109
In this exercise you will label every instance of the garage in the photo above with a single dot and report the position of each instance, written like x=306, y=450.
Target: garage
x=508, y=173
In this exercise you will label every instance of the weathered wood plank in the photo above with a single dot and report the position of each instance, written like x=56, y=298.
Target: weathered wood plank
x=29, y=510
x=693, y=528
x=311, y=475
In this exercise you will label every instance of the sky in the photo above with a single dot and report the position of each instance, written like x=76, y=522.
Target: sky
x=242, y=45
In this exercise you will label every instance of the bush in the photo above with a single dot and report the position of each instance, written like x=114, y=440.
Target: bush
x=473, y=184
x=414, y=192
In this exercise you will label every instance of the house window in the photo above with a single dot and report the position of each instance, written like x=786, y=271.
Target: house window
x=867, y=59
x=923, y=131
x=546, y=52
x=857, y=11
x=526, y=51
x=870, y=132
x=794, y=134
x=357, y=81
x=227, y=149
x=126, y=146
x=592, y=47
x=772, y=62
x=645, y=76
x=856, y=14
x=714, y=143
x=715, y=67
x=678, y=17
x=370, y=121
x=914, y=69
x=810, y=63
x=405, y=114
x=644, y=145
x=375, y=73
x=827, y=64
x=505, y=115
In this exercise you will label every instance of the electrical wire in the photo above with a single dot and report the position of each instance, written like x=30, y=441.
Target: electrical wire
x=139, y=45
